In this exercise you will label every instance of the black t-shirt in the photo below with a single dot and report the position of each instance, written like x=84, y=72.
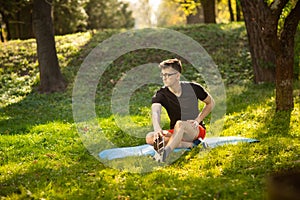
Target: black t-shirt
x=184, y=107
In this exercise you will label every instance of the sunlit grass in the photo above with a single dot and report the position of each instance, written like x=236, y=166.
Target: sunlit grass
x=42, y=154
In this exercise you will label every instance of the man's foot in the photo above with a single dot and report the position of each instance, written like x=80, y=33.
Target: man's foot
x=205, y=145
x=159, y=143
x=200, y=141
x=158, y=157
x=166, y=152
x=161, y=157
x=159, y=146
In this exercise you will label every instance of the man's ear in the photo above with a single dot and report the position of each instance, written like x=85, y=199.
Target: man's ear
x=178, y=76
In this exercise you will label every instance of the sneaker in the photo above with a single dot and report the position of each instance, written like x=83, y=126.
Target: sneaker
x=159, y=146
x=200, y=141
x=205, y=145
x=159, y=157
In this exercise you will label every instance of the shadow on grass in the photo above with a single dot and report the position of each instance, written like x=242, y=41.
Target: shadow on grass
x=260, y=100
x=85, y=175
x=86, y=181
x=278, y=146
x=241, y=97
x=37, y=109
x=54, y=178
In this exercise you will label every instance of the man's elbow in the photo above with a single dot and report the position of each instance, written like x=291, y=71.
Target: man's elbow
x=211, y=103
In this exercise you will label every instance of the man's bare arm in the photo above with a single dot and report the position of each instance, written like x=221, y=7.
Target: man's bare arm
x=209, y=105
x=156, y=112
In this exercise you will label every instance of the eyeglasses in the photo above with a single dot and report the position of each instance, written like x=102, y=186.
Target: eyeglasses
x=167, y=75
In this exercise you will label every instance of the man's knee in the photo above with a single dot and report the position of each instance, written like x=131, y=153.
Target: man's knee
x=149, y=138
x=178, y=124
x=181, y=124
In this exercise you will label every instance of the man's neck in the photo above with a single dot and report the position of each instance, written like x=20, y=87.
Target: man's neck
x=176, y=89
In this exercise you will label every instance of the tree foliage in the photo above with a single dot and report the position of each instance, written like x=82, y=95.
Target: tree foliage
x=108, y=14
x=8, y=11
x=11, y=7
x=69, y=16
x=189, y=6
x=167, y=18
x=192, y=8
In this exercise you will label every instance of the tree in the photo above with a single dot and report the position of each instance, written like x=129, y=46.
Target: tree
x=192, y=7
x=8, y=12
x=237, y=10
x=209, y=7
x=271, y=34
x=230, y=11
x=195, y=18
x=167, y=18
x=17, y=15
x=4, y=26
x=69, y=16
x=51, y=79
x=108, y=14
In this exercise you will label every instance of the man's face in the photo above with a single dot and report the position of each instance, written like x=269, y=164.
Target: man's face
x=169, y=76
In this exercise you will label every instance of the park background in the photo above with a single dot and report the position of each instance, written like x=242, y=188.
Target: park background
x=42, y=155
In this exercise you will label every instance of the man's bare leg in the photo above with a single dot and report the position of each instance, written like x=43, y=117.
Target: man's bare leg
x=150, y=137
x=183, y=130
x=182, y=144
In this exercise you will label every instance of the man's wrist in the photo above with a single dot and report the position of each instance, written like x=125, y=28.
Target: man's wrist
x=198, y=120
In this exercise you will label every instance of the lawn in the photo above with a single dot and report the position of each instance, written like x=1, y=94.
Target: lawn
x=43, y=156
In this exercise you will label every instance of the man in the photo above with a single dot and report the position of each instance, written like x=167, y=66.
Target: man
x=180, y=99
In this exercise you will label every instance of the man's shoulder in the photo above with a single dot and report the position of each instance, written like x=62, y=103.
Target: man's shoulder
x=188, y=83
x=163, y=89
x=160, y=95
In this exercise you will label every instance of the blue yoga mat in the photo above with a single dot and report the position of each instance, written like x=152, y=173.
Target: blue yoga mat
x=146, y=149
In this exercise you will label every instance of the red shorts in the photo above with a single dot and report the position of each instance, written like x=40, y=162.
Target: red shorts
x=202, y=132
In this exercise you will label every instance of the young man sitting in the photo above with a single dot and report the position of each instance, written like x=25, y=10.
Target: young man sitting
x=180, y=99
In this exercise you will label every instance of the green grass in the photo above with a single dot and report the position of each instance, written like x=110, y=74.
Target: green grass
x=42, y=155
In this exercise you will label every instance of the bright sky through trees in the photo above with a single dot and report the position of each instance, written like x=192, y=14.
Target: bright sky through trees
x=141, y=22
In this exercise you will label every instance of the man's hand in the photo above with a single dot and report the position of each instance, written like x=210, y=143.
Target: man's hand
x=157, y=134
x=194, y=123
x=158, y=141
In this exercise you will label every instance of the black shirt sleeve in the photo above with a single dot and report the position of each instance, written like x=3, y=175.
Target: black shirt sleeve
x=158, y=97
x=199, y=91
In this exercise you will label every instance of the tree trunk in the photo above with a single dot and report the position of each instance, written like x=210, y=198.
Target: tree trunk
x=262, y=22
x=209, y=11
x=285, y=61
x=51, y=79
x=284, y=76
x=194, y=19
x=238, y=11
x=230, y=11
x=6, y=34
x=263, y=56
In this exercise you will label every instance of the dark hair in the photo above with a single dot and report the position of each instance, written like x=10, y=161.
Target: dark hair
x=174, y=63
